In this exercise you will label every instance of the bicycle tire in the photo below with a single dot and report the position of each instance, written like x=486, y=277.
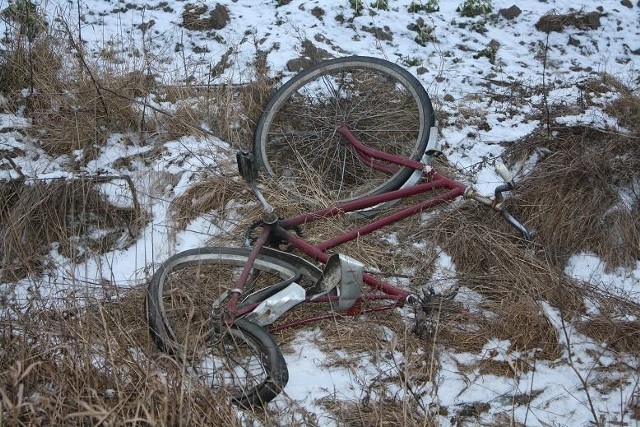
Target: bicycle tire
x=296, y=141
x=179, y=303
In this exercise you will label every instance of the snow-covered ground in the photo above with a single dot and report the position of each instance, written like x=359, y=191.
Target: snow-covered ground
x=474, y=126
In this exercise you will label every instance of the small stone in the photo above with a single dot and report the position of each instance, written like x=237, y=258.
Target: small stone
x=511, y=12
x=318, y=12
x=593, y=20
x=449, y=98
x=298, y=64
x=219, y=17
x=627, y=3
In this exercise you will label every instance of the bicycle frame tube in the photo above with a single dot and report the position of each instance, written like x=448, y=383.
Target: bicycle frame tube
x=232, y=304
x=371, y=155
x=438, y=181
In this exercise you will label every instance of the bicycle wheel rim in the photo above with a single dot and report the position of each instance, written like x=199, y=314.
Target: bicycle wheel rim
x=179, y=309
x=182, y=291
x=244, y=361
x=297, y=143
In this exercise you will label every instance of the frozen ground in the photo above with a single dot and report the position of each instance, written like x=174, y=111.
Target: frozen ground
x=482, y=105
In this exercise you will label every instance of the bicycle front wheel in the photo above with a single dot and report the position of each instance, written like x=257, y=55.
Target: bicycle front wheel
x=384, y=106
x=241, y=359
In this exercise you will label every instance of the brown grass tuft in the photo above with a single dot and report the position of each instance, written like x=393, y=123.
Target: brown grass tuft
x=71, y=213
x=70, y=116
x=24, y=64
x=377, y=412
x=620, y=335
x=554, y=21
x=65, y=97
x=513, y=279
x=210, y=197
x=573, y=201
x=93, y=364
x=241, y=106
x=230, y=111
x=583, y=194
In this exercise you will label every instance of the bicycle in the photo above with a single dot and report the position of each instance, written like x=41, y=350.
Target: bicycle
x=209, y=306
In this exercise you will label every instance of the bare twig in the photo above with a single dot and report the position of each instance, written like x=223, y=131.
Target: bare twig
x=83, y=63
x=545, y=91
x=572, y=365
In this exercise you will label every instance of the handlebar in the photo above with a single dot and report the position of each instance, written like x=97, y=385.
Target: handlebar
x=497, y=202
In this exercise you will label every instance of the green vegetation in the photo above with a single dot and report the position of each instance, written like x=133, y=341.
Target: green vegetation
x=411, y=61
x=475, y=26
x=380, y=4
x=472, y=8
x=428, y=6
x=357, y=6
x=425, y=32
x=489, y=53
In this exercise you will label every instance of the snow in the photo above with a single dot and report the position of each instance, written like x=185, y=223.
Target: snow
x=444, y=68
x=590, y=268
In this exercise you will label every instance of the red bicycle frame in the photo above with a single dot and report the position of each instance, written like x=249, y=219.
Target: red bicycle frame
x=385, y=162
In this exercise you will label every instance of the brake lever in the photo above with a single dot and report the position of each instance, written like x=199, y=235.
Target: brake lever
x=497, y=201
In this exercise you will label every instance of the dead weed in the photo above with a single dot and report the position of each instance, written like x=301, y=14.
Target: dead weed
x=94, y=364
x=73, y=215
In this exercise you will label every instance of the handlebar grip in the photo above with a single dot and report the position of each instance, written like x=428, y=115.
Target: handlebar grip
x=504, y=173
x=513, y=221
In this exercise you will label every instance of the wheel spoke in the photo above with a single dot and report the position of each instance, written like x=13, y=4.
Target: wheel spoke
x=241, y=359
x=383, y=105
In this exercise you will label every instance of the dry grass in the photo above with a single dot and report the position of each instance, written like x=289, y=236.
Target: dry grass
x=24, y=64
x=583, y=193
x=554, y=21
x=377, y=412
x=66, y=99
x=491, y=259
x=76, y=104
x=620, y=334
x=93, y=363
x=208, y=197
x=573, y=198
x=71, y=214
x=237, y=120
x=75, y=116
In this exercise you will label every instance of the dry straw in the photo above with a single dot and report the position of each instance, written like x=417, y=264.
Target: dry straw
x=94, y=364
x=99, y=352
x=36, y=215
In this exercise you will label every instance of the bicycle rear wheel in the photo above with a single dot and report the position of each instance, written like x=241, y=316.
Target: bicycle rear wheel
x=296, y=140
x=242, y=359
